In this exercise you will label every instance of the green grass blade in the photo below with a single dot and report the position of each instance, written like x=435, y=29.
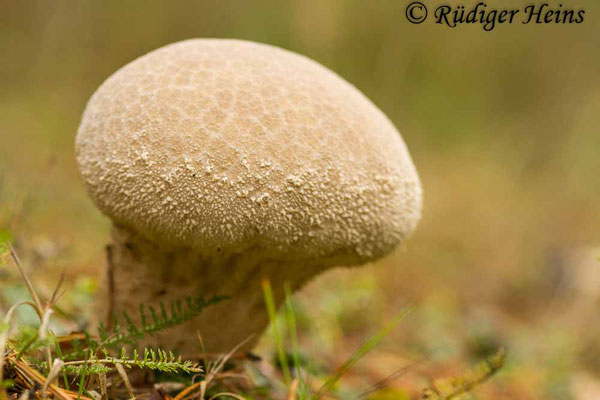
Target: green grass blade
x=81, y=384
x=291, y=320
x=60, y=355
x=361, y=351
x=270, y=302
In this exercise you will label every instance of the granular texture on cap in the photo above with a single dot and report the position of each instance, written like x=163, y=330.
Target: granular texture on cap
x=228, y=146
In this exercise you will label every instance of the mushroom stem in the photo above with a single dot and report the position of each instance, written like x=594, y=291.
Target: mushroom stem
x=141, y=271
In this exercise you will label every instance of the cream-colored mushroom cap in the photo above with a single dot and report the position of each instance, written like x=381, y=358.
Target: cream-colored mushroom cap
x=228, y=145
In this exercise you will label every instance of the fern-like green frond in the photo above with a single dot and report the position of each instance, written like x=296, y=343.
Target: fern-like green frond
x=154, y=359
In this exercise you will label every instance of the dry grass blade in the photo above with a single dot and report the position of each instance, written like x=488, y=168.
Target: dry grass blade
x=40, y=310
x=103, y=385
x=361, y=352
x=227, y=394
x=32, y=293
x=221, y=362
x=5, y=333
x=207, y=357
x=55, y=294
x=385, y=381
x=33, y=375
x=188, y=390
x=53, y=374
x=125, y=379
x=70, y=337
x=212, y=371
x=43, y=331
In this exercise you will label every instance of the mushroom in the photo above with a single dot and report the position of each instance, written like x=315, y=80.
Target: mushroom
x=222, y=162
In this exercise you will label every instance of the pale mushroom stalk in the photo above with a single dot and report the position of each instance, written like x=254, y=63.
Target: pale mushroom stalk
x=145, y=272
x=222, y=162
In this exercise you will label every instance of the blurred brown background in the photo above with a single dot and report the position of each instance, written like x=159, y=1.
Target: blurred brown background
x=503, y=127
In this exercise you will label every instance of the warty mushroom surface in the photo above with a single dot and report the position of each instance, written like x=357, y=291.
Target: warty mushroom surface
x=221, y=162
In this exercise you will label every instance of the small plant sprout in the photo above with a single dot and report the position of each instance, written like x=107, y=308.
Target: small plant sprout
x=222, y=162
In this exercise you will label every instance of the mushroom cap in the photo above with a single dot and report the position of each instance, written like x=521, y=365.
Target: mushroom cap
x=227, y=145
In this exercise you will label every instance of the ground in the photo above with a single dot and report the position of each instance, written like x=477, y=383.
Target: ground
x=502, y=127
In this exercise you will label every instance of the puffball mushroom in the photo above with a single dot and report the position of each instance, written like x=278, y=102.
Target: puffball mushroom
x=221, y=162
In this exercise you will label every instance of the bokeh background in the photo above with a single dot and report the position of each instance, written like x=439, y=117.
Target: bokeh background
x=503, y=126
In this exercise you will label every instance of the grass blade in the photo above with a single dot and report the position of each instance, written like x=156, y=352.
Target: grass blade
x=270, y=302
x=361, y=351
x=291, y=320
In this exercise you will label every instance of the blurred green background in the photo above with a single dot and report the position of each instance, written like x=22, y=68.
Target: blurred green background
x=503, y=126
